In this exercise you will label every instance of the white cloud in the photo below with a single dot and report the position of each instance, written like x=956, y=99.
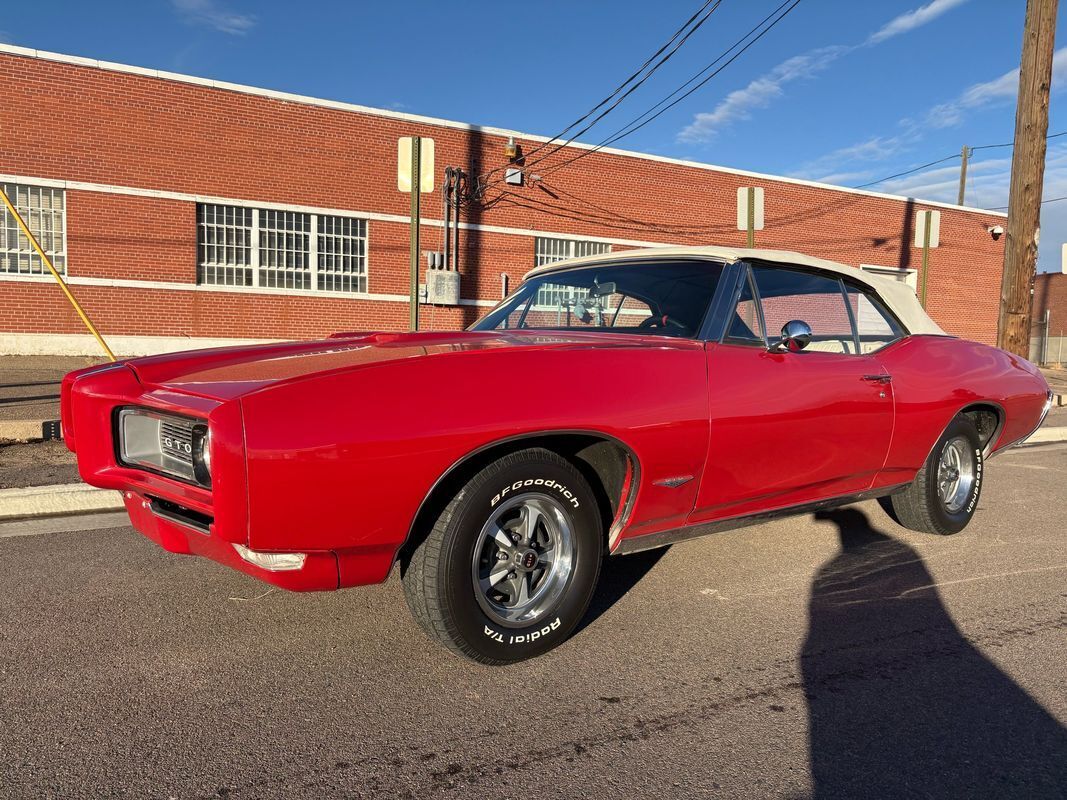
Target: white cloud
x=740, y=103
x=987, y=187
x=1001, y=89
x=760, y=93
x=913, y=19
x=846, y=164
x=5, y=37
x=211, y=15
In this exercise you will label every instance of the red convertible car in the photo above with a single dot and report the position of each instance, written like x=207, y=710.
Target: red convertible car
x=611, y=404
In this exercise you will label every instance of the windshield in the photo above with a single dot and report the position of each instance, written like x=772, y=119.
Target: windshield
x=668, y=298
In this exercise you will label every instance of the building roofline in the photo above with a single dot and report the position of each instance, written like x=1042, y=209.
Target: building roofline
x=337, y=105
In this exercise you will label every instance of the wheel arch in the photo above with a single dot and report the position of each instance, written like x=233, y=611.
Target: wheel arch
x=988, y=418
x=609, y=465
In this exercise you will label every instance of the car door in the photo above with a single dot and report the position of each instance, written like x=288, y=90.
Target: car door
x=788, y=428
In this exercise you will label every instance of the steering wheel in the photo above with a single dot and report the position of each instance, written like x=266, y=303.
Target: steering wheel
x=664, y=323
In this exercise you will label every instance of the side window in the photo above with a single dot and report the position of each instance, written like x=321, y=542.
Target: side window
x=744, y=326
x=629, y=311
x=817, y=300
x=875, y=325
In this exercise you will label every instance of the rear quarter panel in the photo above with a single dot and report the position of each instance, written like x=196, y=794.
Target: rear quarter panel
x=344, y=460
x=935, y=377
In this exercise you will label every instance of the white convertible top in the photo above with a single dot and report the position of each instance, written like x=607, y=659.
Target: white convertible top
x=898, y=296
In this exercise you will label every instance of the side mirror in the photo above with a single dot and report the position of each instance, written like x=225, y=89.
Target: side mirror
x=796, y=335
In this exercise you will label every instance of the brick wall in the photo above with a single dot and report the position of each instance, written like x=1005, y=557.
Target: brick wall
x=85, y=124
x=1050, y=293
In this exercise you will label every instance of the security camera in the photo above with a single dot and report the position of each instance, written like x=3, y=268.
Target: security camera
x=996, y=231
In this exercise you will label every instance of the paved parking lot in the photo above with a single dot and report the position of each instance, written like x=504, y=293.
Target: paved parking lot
x=837, y=656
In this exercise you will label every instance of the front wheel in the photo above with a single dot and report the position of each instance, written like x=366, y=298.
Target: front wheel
x=510, y=565
x=944, y=495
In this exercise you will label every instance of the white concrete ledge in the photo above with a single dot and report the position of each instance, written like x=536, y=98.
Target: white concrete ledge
x=1046, y=435
x=49, y=501
x=22, y=430
x=79, y=344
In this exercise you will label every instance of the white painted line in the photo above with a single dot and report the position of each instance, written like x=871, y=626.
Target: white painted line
x=186, y=197
x=69, y=524
x=50, y=501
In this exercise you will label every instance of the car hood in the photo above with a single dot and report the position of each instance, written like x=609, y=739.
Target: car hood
x=226, y=373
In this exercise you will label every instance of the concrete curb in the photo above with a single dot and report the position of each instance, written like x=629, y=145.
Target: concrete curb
x=22, y=430
x=48, y=501
x=1046, y=435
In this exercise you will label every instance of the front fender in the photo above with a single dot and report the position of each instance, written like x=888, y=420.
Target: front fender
x=344, y=460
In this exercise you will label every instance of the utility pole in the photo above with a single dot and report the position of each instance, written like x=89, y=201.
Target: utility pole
x=1027, y=176
x=966, y=154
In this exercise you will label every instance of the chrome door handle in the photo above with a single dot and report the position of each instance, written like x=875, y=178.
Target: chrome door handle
x=878, y=378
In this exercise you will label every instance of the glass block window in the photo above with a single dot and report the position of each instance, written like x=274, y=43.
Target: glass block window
x=284, y=249
x=548, y=251
x=342, y=254
x=43, y=210
x=278, y=249
x=224, y=244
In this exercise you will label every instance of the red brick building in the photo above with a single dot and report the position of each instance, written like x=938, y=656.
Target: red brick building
x=1049, y=311
x=184, y=210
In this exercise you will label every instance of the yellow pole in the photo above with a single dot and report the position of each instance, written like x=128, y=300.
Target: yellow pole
x=55, y=274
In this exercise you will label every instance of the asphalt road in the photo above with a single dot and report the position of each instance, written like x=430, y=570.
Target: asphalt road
x=834, y=657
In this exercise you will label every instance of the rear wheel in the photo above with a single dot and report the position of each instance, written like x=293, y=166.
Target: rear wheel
x=944, y=495
x=510, y=564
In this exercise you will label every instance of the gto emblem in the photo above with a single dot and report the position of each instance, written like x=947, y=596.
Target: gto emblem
x=170, y=443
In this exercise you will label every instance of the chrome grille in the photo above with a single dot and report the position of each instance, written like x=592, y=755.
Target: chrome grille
x=176, y=440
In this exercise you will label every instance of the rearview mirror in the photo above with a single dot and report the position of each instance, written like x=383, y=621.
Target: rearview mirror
x=796, y=335
x=602, y=289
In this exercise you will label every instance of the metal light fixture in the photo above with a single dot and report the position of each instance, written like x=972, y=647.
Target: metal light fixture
x=511, y=149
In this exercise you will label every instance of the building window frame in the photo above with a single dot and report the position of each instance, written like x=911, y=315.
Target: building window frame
x=302, y=244
x=571, y=247
x=33, y=217
x=552, y=249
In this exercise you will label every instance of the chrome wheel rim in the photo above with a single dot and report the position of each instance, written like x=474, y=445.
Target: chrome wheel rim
x=955, y=474
x=523, y=559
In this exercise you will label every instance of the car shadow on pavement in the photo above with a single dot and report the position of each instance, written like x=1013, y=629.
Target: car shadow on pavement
x=618, y=575
x=900, y=702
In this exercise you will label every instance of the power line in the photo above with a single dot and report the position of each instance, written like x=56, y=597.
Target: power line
x=907, y=172
x=690, y=27
x=637, y=123
x=947, y=158
x=626, y=82
x=699, y=73
x=1050, y=200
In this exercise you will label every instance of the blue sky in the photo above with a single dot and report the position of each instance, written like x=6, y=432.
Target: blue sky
x=842, y=91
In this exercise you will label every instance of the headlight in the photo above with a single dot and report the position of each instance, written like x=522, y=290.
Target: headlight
x=175, y=446
x=202, y=454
